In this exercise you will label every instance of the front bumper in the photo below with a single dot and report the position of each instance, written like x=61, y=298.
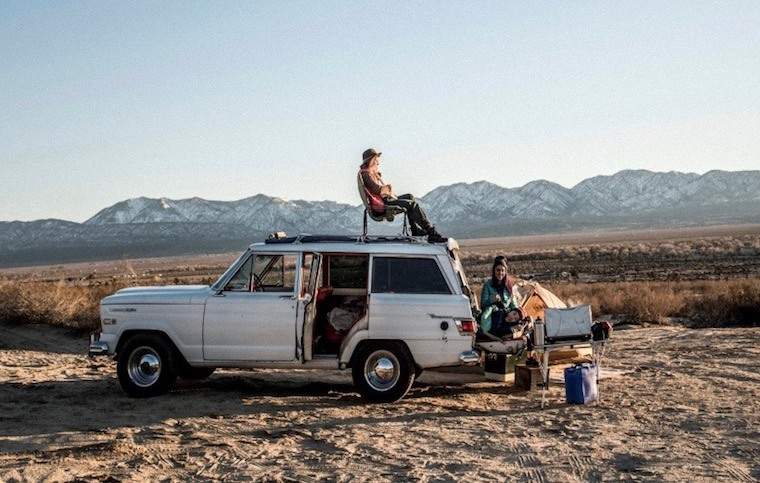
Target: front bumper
x=97, y=346
x=469, y=358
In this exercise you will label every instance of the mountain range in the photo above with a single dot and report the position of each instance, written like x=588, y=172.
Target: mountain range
x=148, y=226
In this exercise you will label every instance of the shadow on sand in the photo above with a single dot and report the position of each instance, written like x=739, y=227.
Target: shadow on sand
x=92, y=405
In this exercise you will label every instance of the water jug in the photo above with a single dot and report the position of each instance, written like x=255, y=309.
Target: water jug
x=580, y=384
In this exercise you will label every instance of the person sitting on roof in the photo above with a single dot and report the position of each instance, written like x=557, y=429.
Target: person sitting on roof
x=498, y=304
x=381, y=195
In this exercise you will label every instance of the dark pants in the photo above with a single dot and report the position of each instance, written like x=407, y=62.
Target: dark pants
x=418, y=220
x=499, y=326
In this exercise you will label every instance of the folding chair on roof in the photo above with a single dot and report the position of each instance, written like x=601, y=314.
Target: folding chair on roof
x=387, y=214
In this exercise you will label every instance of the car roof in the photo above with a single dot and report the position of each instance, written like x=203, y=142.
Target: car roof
x=339, y=244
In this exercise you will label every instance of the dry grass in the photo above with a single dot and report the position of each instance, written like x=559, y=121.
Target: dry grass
x=704, y=303
x=59, y=303
x=619, y=261
x=711, y=281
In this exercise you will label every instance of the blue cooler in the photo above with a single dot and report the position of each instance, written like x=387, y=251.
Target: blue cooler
x=580, y=384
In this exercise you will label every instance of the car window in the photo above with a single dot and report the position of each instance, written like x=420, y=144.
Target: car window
x=241, y=281
x=348, y=271
x=407, y=275
x=274, y=273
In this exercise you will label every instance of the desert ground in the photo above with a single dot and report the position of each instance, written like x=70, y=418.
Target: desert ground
x=677, y=404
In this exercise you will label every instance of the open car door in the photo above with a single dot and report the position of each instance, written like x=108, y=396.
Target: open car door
x=310, y=307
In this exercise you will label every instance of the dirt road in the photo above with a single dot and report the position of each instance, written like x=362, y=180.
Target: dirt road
x=690, y=411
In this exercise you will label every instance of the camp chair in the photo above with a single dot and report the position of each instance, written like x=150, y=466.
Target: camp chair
x=388, y=214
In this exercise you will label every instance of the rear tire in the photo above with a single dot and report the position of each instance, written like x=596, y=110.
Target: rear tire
x=383, y=372
x=146, y=366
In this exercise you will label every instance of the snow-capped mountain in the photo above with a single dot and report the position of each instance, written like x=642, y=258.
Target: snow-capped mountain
x=258, y=212
x=626, y=193
x=630, y=191
x=142, y=226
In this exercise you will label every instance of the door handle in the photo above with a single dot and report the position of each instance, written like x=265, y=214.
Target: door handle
x=287, y=297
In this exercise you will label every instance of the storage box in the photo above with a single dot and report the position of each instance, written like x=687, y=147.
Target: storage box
x=565, y=325
x=580, y=384
x=529, y=378
x=497, y=366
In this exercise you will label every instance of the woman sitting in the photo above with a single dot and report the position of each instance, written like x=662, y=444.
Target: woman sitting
x=383, y=194
x=500, y=312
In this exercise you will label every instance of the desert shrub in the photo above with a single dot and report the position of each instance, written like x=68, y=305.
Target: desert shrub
x=73, y=306
x=715, y=303
x=729, y=303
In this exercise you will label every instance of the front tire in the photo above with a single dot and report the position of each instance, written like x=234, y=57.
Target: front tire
x=383, y=372
x=146, y=366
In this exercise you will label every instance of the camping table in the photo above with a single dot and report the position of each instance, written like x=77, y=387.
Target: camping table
x=597, y=351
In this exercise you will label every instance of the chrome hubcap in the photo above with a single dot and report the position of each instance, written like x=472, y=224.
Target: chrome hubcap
x=144, y=366
x=381, y=371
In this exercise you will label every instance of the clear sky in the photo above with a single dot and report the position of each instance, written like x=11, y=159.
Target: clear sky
x=106, y=100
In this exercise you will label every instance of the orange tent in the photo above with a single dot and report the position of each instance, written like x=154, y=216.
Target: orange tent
x=534, y=299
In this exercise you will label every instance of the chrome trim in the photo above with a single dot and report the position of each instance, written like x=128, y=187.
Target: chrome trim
x=144, y=366
x=382, y=370
x=469, y=358
x=97, y=348
x=453, y=317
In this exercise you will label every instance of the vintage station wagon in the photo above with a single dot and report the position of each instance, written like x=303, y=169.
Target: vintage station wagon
x=385, y=308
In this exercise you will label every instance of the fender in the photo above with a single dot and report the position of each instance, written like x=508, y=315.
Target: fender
x=349, y=345
x=191, y=350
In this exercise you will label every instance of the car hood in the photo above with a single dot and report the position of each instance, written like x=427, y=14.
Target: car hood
x=170, y=294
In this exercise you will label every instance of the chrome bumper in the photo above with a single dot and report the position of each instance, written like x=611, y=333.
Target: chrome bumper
x=469, y=358
x=97, y=347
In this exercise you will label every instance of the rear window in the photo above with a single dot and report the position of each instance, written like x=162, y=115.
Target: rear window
x=407, y=275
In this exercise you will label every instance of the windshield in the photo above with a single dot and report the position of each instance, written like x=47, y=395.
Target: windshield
x=218, y=284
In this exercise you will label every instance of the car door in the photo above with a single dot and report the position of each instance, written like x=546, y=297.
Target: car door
x=253, y=318
x=308, y=302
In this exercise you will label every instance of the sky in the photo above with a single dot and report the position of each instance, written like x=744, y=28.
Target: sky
x=101, y=101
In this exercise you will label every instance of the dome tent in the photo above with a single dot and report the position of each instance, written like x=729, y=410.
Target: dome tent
x=533, y=298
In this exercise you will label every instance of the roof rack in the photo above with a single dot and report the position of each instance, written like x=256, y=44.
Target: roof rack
x=307, y=238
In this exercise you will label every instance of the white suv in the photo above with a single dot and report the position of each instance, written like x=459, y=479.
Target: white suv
x=386, y=308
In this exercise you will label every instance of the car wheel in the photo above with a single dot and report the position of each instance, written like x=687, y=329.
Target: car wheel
x=146, y=366
x=196, y=373
x=383, y=372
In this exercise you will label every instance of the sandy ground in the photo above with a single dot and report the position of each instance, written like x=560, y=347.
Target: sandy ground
x=689, y=412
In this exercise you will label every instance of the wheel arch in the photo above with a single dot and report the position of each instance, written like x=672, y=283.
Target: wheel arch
x=129, y=333
x=380, y=343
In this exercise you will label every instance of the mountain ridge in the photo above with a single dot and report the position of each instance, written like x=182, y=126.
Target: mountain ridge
x=142, y=226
